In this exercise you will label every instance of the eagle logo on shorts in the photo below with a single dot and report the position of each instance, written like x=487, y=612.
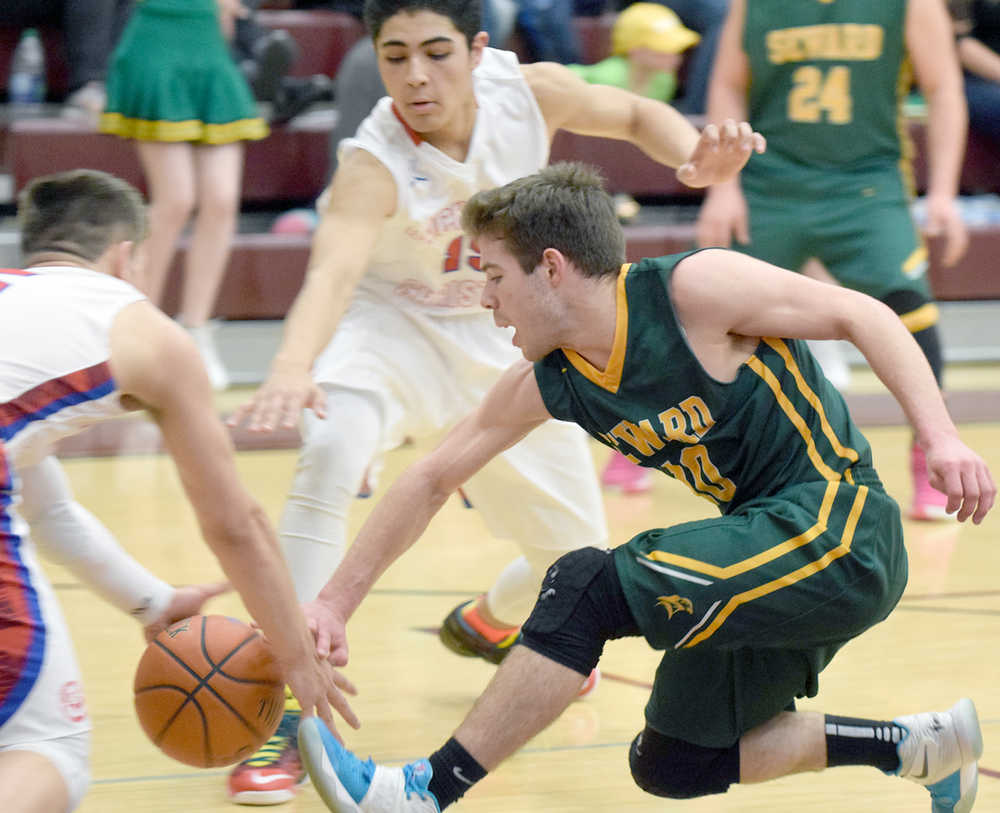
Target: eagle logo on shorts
x=675, y=604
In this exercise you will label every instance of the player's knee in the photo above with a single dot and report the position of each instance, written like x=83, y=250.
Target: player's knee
x=668, y=767
x=580, y=606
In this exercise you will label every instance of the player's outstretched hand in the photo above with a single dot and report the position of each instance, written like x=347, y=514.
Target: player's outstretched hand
x=280, y=400
x=329, y=630
x=187, y=601
x=962, y=475
x=317, y=686
x=721, y=152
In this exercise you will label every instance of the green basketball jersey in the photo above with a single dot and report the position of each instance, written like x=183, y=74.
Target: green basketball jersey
x=828, y=78
x=778, y=423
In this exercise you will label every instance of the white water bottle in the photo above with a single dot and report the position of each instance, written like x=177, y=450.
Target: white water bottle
x=26, y=85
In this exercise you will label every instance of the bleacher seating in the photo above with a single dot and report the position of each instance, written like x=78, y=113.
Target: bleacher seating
x=291, y=166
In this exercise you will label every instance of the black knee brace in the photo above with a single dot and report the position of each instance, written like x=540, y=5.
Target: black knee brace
x=581, y=605
x=664, y=766
x=927, y=334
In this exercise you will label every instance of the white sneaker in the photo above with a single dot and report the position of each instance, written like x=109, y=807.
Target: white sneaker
x=940, y=751
x=204, y=338
x=348, y=785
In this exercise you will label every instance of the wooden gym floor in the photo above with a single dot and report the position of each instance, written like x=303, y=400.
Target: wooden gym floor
x=941, y=643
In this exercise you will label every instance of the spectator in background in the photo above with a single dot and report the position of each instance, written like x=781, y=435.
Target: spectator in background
x=265, y=56
x=977, y=28
x=706, y=17
x=548, y=30
x=174, y=88
x=90, y=30
x=647, y=43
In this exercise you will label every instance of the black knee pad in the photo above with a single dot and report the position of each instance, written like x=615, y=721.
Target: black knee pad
x=665, y=766
x=580, y=606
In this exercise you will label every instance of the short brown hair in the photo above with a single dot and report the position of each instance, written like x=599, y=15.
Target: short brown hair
x=564, y=206
x=80, y=212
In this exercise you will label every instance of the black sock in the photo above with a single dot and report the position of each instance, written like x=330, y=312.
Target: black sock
x=455, y=771
x=850, y=741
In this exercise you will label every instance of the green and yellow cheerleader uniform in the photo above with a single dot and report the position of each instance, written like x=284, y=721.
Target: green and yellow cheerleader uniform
x=835, y=183
x=172, y=78
x=808, y=553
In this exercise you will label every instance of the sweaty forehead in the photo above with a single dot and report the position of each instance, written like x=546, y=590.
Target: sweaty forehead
x=414, y=29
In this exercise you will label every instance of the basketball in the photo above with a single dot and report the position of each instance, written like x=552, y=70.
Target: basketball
x=208, y=691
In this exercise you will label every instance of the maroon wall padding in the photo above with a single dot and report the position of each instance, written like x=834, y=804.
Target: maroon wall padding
x=323, y=37
x=292, y=164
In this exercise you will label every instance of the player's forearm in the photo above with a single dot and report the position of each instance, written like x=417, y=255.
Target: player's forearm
x=900, y=364
x=947, y=125
x=313, y=317
x=662, y=132
x=70, y=535
x=248, y=552
x=979, y=59
x=395, y=524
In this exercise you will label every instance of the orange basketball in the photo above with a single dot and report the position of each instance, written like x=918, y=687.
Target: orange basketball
x=208, y=691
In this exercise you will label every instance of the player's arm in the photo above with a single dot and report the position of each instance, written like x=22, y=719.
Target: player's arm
x=510, y=410
x=723, y=214
x=67, y=533
x=361, y=197
x=721, y=295
x=157, y=366
x=568, y=102
x=931, y=46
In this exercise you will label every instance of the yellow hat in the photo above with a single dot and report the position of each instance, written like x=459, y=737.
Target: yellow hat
x=650, y=25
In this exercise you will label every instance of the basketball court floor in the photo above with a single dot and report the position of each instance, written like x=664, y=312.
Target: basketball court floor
x=940, y=644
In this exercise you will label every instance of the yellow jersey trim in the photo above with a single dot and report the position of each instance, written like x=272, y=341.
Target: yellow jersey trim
x=782, y=349
x=804, y=572
x=761, y=558
x=611, y=378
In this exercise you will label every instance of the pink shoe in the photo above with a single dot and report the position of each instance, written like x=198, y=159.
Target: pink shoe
x=623, y=473
x=928, y=502
x=589, y=683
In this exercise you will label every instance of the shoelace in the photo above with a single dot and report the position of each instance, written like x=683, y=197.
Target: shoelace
x=410, y=783
x=269, y=753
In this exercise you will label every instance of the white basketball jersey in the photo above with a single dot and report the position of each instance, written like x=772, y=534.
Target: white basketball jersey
x=55, y=379
x=422, y=259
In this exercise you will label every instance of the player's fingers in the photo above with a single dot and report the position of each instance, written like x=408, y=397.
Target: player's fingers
x=956, y=244
x=216, y=589
x=339, y=702
x=987, y=494
x=746, y=136
x=343, y=682
x=322, y=641
x=710, y=135
x=267, y=414
x=319, y=402
x=730, y=131
x=759, y=143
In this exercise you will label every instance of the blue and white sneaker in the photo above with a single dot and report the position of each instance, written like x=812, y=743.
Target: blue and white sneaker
x=348, y=785
x=956, y=793
x=940, y=751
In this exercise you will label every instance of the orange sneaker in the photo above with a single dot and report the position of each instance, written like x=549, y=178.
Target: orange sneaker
x=274, y=774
